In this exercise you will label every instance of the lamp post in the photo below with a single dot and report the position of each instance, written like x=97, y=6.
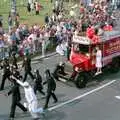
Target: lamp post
x=13, y=9
x=1, y=19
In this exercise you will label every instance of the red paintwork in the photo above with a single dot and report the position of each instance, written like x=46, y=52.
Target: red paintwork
x=112, y=46
x=108, y=28
x=110, y=49
x=90, y=32
x=79, y=60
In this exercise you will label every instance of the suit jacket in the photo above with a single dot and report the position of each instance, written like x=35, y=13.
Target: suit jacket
x=15, y=93
x=14, y=62
x=27, y=64
x=38, y=81
x=51, y=84
x=6, y=68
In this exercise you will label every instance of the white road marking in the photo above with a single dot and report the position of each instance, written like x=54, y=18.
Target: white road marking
x=81, y=96
x=118, y=97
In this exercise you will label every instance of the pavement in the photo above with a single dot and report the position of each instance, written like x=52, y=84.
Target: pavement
x=40, y=57
x=95, y=102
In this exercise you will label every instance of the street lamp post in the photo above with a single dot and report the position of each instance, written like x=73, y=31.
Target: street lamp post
x=13, y=9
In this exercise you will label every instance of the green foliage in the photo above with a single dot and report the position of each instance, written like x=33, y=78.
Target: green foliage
x=25, y=17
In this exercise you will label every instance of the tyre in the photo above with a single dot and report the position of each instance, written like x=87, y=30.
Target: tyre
x=115, y=65
x=81, y=80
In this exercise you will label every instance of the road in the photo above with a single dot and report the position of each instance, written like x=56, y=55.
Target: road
x=95, y=102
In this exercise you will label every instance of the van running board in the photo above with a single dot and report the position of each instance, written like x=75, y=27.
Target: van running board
x=66, y=81
x=67, y=76
x=62, y=80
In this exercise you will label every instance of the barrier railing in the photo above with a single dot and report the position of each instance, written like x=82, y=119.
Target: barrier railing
x=35, y=48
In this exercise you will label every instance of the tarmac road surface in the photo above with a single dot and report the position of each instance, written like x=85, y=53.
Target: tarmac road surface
x=95, y=102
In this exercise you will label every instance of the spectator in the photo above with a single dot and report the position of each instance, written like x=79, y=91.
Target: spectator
x=37, y=8
x=46, y=19
x=28, y=7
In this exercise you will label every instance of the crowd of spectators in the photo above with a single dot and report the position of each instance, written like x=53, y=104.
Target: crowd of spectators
x=58, y=29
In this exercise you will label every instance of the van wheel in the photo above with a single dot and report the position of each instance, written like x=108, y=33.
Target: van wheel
x=115, y=65
x=81, y=80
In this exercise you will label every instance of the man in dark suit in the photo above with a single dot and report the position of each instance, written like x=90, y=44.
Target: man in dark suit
x=15, y=100
x=14, y=60
x=38, y=83
x=51, y=86
x=27, y=67
x=6, y=72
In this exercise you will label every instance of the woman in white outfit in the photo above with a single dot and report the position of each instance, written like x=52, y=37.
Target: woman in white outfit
x=98, y=61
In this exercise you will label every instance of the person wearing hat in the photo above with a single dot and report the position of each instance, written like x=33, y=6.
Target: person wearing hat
x=51, y=86
x=27, y=68
x=6, y=72
x=15, y=91
x=31, y=99
x=38, y=83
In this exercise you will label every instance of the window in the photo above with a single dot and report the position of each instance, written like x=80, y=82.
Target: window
x=81, y=48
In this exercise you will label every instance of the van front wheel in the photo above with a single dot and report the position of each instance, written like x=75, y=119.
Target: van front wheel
x=80, y=80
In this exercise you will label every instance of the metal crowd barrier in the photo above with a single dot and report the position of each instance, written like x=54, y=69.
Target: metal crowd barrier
x=5, y=52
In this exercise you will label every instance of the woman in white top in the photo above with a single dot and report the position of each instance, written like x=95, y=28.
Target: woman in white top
x=98, y=61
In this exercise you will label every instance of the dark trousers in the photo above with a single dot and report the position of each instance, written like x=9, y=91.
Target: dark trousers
x=48, y=98
x=13, y=108
x=37, y=88
x=4, y=77
x=26, y=73
x=37, y=12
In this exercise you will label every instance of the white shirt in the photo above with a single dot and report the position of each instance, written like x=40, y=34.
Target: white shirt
x=60, y=16
x=60, y=50
x=30, y=1
x=72, y=13
x=64, y=46
x=58, y=28
x=33, y=36
x=56, y=4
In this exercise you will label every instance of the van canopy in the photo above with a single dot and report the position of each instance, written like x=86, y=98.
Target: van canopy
x=110, y=35
x=87, y=41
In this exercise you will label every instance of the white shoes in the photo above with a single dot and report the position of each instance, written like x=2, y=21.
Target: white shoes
x=97, y=73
